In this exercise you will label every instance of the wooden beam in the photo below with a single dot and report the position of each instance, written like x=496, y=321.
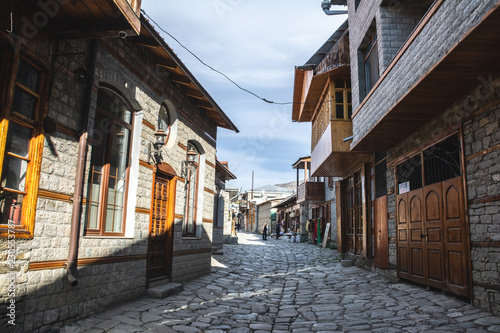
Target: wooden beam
x=184, y=80
x=145, y=41
x=193, y=93
x=166, y=63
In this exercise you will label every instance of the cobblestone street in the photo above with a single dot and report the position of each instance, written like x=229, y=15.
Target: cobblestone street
x=277, y=286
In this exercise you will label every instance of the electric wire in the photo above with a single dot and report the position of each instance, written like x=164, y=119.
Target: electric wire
x=210, y=67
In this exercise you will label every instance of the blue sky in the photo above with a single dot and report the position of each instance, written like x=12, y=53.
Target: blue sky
x=257, y=44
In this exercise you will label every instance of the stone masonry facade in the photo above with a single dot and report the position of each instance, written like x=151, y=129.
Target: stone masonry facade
x=44, y=297
x=444, y=30
x=476, y=116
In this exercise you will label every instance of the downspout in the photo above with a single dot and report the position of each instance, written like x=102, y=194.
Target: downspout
x=74, y=239
x=326, y=8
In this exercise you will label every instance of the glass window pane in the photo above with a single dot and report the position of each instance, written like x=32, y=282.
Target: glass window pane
x=93, y=214
x=339, y=83
x=18, y=140
x=339, y=97
x=119, y=152
x=14, y=173
x=163, y=119
x=28, y=76
x=112, y=103
x=339, y=111
x=109, y=227
x=24, y=103
x=411, y=171
x=442, y=161
x=349, y=111
x=11, y=205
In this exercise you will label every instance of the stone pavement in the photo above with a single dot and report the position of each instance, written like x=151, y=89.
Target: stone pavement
x=276, y=286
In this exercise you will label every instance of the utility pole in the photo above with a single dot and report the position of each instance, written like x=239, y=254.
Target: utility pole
x=252, y=184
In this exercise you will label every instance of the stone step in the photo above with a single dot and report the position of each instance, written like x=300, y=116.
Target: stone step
x=165, y=290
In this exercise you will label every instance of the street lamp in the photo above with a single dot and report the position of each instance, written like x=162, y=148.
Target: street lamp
x=160, y=136
x=190, y=161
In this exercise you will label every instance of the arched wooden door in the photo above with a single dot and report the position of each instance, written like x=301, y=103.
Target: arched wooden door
x=161, y=227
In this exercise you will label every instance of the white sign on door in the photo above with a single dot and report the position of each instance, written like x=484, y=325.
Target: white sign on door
x=404, y=187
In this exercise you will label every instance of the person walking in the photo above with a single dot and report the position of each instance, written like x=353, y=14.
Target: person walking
x=264, y=232
x=278, y=230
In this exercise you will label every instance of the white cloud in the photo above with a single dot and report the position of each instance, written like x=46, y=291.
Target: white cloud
x=257, y=44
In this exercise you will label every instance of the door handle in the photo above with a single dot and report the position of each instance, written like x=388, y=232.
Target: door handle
x=423, y=236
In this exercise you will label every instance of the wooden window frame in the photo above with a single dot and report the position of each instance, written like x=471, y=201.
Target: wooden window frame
x=10, y=63
x=345, y=103
x=105, y=175
x=169, y=122
x=366, y=54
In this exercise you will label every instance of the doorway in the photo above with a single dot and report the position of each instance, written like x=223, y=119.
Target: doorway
x=433, y=244
x=161, y=227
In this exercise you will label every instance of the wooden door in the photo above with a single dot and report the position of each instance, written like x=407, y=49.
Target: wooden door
x=160, y=235
x=456, y=242
x=403, y=265
x=433, y=236
x=410, y=239
x=433, y=248
x=381, y=233
x=416, y=240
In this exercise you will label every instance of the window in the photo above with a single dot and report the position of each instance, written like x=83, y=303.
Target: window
x=380, y=174
x=342, y=99
x=369, y=67
x=189, y=227
x=440, y=162
x=22, y=143
x=164, y=121
x=109, y=165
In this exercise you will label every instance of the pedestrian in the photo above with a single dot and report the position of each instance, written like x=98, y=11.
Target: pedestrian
x=278, y=230
x=264, y=232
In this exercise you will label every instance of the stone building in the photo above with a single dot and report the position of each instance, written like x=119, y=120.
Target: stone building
x=423, y=138
x=222, y=220
x=264, y=212
x=108, y=161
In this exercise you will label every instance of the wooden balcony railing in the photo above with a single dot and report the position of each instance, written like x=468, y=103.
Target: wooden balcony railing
x=311, y=191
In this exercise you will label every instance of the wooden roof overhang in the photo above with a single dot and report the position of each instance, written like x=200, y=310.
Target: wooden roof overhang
x=178, y=73
x=456, y=75
x=89, y=18
x=290, y=201
x=303, y=109
x=301, y=162
x=219, y=167
x=341, y=164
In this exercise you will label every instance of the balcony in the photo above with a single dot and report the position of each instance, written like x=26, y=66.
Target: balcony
x=418, y=85
x=311, y=191
x=331, y=156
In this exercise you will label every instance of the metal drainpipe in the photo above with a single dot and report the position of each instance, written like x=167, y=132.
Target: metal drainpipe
x=326, y=8
x=74, y=239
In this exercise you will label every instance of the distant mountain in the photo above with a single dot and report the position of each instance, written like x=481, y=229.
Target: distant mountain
x=292, y=186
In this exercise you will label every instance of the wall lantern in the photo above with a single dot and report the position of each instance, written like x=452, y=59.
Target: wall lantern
x=190, y=161
x=160, y=137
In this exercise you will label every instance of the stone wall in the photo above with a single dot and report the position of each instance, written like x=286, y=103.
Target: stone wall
x=44, y=297
x=481, y=134
x=444, y=30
